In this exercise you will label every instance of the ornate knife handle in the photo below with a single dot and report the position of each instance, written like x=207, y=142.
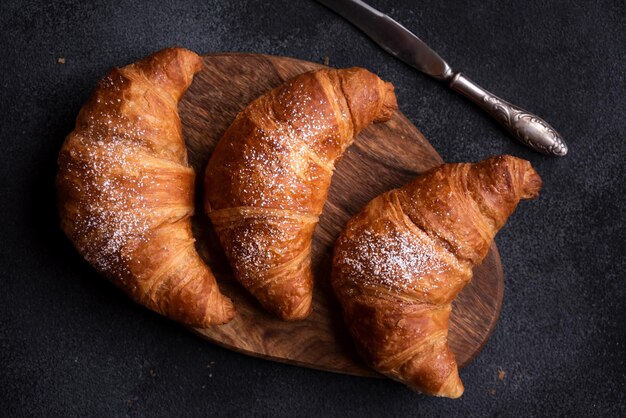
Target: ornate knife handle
x=529, y=129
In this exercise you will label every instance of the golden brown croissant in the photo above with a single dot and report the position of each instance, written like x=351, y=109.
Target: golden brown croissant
x=399, y=264
x=267, y=180
x=125, y=190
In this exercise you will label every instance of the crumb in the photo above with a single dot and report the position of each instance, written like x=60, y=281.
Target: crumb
x=501, y=374
x=210, y=374
x=492, y=392
x=326, y=61
x=61, y=60
x=152, y=372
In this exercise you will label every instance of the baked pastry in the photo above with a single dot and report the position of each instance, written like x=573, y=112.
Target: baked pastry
x=268, y=178
x=399, y=264
x=125, y=191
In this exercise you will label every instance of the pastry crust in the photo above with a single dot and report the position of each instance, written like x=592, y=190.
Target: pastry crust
x=399, y=264
x=268, y=178
x=125, y=190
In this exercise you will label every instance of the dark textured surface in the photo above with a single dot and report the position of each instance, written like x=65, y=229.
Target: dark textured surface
x=70, y=344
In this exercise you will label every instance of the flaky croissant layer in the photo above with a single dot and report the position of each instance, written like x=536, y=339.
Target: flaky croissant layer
x=125, y=190
x=399, y=264
x=268, y=178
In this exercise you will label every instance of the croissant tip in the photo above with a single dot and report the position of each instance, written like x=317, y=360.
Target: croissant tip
x=532, y=183
x=291, y=317
x=222, y=317
x=229, y=312
x=456, y=393
x=390, y=104
x=297, y=310
x=300, y=313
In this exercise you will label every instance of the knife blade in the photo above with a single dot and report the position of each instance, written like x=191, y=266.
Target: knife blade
x=392, y=37
x=397, y=40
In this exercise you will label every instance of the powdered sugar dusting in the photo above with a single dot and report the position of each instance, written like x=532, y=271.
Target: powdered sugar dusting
x=112, y=207
x=257, y=251
x=259, y=244
x=282, y=168
x=390, y=256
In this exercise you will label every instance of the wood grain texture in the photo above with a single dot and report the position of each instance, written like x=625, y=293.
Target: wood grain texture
x=384, y=156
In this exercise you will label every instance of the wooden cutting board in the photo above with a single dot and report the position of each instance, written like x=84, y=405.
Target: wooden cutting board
x=384, y=156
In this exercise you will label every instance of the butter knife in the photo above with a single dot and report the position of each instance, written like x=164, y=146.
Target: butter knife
x=394, y=38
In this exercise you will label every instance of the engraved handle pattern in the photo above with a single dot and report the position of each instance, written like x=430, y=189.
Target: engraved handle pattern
x=529, y=129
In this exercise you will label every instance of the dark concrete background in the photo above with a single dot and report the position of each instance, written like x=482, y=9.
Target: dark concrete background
x=72, y=345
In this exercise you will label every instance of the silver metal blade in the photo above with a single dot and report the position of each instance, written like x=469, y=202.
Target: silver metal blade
x=391, y=36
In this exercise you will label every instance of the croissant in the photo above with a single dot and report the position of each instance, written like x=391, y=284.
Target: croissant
x=125, y=191
x=399, y=264
x=268, y=178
